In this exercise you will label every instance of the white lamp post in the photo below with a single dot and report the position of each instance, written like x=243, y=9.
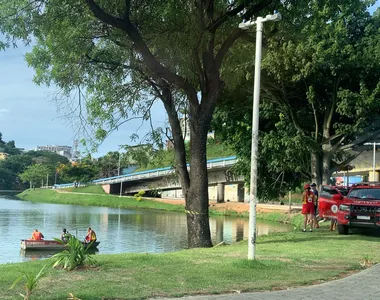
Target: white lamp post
x=374, y=158
x=255, y=127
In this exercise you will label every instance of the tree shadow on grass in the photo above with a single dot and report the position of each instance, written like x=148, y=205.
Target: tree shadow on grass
x=363, y=234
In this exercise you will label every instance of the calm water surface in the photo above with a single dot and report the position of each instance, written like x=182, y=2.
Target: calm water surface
x=118, y=230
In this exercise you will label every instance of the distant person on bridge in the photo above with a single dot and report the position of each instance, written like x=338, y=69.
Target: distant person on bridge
x=36, y=235
x=91, y=236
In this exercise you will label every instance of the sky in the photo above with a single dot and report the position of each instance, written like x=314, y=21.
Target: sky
x=30, y=117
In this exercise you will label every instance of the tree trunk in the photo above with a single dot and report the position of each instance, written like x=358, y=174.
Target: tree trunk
x=326, y=168
x=197, y=202
x=316, y=168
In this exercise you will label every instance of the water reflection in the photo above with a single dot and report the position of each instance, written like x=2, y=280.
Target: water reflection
x=118, y=230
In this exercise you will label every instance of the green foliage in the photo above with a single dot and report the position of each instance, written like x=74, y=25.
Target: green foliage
x=17, y=162
x=109, y=164
x=139, y=195
x=8, y=147
x=84, y=171
x=324, y=80
x=30, y=281
x=279, y=167
x=165, y=158
x=320, y=96
x=34, y=174
x=76, y=255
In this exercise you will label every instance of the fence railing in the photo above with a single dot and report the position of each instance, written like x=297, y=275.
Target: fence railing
x=162, y=172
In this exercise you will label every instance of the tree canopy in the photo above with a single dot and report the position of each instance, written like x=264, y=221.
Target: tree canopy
x=320, y=94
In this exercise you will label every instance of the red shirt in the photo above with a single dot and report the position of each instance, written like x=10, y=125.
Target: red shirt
x=308, y=197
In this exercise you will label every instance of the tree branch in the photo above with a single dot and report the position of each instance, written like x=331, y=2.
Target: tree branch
x=152, y=63
x=236, y=33
x=232, y=12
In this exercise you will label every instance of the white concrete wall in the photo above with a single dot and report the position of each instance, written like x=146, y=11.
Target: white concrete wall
x=212, y=192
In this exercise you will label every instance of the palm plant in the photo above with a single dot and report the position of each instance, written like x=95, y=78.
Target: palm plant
x=31, y=280
x=75, y=255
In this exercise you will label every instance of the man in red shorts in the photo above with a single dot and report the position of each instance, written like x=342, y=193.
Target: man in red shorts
x=308, y=199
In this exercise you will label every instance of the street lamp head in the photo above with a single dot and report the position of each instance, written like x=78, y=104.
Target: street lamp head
x=246, y=24
x=275, y=17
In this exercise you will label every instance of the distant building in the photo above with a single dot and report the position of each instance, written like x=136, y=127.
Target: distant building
x=3, y=155
x=65, y=151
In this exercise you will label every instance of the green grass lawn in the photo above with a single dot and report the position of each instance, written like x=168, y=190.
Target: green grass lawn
x=92, y=189
x=283, y=260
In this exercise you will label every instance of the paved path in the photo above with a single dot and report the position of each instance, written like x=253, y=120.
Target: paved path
x=362, y=285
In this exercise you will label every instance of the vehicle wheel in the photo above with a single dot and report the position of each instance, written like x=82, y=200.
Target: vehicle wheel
x=342, y=229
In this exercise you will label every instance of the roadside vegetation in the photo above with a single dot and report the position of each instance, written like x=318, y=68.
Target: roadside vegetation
x=224, y=269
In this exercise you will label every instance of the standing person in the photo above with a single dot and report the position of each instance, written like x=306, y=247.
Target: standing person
x=308, y=199
x=91, y=235
x=315, y=192
x=36, y=235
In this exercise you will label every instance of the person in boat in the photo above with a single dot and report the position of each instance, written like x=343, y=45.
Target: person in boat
x=65, y=236
x=91, y=236
x=36, y=235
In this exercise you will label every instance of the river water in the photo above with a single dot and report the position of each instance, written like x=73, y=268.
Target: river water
x=118, y=230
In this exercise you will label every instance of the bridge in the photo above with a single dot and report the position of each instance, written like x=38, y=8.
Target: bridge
x=223, y=183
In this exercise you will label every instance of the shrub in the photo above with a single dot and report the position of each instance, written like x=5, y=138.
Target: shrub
x=75, y=255
x=139, y=195
x=31, y=281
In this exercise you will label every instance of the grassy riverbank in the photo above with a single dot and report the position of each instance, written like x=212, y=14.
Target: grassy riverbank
x=62, y=197
x=283, y=260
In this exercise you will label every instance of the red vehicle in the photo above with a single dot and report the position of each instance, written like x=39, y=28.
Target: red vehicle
x=358, y=209
x=328, y=201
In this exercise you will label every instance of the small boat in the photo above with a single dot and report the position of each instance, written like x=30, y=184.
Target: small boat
x=49, y=245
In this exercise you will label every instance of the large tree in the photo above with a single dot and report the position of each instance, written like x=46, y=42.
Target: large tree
x=34, y=174
x=129, y=53
x=325, y=81
x=320, y=92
